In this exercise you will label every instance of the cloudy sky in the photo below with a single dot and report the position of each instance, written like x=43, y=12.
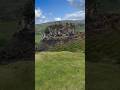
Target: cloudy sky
x=56, y=10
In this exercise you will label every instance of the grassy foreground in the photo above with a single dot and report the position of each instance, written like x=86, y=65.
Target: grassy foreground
x=102, y=76
x=60, y=71
x=17, y=76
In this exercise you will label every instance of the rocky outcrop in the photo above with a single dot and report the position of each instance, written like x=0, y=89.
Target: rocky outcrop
x=58, y=34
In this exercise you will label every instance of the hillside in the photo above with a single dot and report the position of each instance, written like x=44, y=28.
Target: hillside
x=76, y=36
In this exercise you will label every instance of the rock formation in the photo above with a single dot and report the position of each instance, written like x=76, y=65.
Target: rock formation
x=58, y=34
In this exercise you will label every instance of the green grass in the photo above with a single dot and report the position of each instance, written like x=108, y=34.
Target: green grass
x=80, y=28
x=102, y=76
x=72, y=46
x=17, y=76
x=60, y=71
x=38, y=38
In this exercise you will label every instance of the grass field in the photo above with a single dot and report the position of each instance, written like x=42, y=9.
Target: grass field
x=64, y=75
x=102, y=76
x=60, y=71
x=17, y=76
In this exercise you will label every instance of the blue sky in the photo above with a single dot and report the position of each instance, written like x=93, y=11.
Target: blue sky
x=56, y=10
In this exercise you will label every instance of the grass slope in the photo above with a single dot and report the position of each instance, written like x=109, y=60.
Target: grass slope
x=72, y=46
x=60, y=71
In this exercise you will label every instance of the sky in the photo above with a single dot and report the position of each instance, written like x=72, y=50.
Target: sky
x=57, y=10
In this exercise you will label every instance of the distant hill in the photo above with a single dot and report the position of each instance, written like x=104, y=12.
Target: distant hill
x=82, y=22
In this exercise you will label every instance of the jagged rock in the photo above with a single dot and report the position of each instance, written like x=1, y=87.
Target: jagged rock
x=58, y=35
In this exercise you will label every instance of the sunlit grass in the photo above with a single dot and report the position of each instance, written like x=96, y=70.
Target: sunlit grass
x=60, y=71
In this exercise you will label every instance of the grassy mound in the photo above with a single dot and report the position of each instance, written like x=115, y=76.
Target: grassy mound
x=60, y=71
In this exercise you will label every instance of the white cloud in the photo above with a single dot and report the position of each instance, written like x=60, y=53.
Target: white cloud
x=42, y=17
x=38, y=13
x=78, y=15
x=79, y=4
x=58, y=19
x=39, y=16
x=71, y=1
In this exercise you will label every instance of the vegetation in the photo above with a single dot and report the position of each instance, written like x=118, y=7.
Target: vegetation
x=61, y=67
x=72, y=46
x=60, y=71
x=102, y=76
x=17, y=76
